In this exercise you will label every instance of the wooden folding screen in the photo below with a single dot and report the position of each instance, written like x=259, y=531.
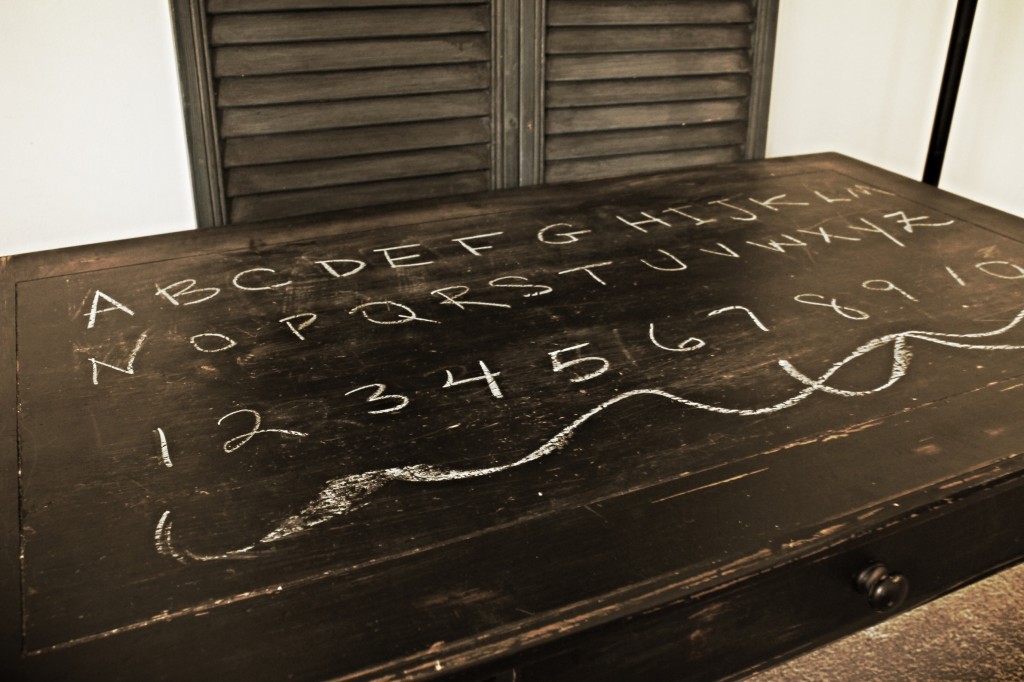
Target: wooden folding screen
x=302, y=106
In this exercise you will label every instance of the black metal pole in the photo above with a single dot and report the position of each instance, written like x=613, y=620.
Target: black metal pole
x=950, y=86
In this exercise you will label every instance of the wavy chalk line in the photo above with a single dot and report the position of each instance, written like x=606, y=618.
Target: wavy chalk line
x=341, y=496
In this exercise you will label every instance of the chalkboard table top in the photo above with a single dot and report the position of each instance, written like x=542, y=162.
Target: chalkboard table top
x=658, y=424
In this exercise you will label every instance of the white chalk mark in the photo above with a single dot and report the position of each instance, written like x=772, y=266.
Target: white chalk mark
x=712, y=485
x=205, y=294
x=679, y=267
x=232, y=444
x=409, y=316
x=1017, y=269
x=587, y=269
x=564, y=237
x=909, y=223
x=165, y=452
x=378, y=394
x=776, y=200
x=743, y=308
x=885, y=285
x=689, y=345
x=94, y=310
x=165, y=545
x=341, y=496
x=129, y=367
x=952, y=273
x=246, y=287
x=307, y=319
x=845, y=311
x=726, y=251
x=228, y=342
x=487, y=376
x=744, y=214
x=639, y=224
x=394, y=261
x=475, y=250
x=558, y=365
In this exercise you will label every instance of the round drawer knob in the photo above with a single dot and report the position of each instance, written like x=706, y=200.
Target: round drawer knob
x=885, y=590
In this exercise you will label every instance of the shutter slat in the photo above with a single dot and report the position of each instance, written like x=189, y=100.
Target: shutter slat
x=326, y=115
x=328, y=144
x=644, y=116
x=629, y=12
x=306, y=202
x=646, y=39
x=227, y=6
x=309, y=174
x=616, y=166
x=649, y=140
x=646, y=65
x=342, y=85
x=639, y=90
x=233, y=29
x=279, y=58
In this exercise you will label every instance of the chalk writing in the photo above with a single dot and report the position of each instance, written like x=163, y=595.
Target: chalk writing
x=406, y=315
x=744, y=309
x=1006, y=269
x=342, y=496
x=226, y=342
x=558, y=365
x=307, y=319
x=689, y=345
x=886, y=285
x=114, y=305
x=129, y=367
x=232, y=444
x=186, y=288
x=165, y=451
x=819, y=300
x=378, y=395
x=487, y=376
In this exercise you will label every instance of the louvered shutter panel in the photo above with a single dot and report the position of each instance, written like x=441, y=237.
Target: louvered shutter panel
x=330, y=104
x=296, y=107
x=645, y=85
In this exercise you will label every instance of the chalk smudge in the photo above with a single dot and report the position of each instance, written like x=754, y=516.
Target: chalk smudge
x=341, y=496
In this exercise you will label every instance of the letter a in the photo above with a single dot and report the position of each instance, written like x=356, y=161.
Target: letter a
x=94, y=311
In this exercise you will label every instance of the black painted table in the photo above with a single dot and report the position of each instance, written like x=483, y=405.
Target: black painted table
x=650, y=427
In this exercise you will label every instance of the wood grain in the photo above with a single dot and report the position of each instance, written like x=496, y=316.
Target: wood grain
x=646, y=39
x=343, y=85
x=280, y=177
x=646, y=65
x=564, y=95
x=345, y=142
x=611, y=143
x=644, y=115
x=289, y=118
x=623, y=12
x=625, y=504
x=312, y=201
x=242, y=29
x=226, y=6
x=279, y=58
x=624, y=164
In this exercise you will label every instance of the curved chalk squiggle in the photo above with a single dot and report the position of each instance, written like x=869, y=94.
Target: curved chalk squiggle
x=341, y=496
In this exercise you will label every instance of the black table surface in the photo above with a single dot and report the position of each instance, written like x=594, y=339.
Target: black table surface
x=653, y=424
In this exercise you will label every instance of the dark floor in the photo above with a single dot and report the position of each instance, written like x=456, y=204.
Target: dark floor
x=976, y=633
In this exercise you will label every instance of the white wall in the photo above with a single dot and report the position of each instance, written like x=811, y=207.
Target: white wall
x=860, y=77
x=91, y=130
x=986, y=146
x=93, y=145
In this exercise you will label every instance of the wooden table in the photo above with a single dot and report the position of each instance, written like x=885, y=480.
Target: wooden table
x=653, y=427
